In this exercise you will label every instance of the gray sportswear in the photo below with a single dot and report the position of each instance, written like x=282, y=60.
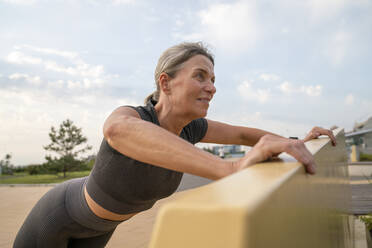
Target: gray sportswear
x=124, y=185
x=62, y=218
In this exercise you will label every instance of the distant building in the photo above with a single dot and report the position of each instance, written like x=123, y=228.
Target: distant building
x=228, y=150
x=360, y=137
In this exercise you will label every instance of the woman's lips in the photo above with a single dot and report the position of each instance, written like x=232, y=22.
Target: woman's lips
x=204, y=99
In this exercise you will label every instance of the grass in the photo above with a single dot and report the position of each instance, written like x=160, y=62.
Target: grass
x=367, y=219
x=24, y=178
x=365, y=157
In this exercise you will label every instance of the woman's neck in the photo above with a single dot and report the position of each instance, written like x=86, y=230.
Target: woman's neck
x=170, y=120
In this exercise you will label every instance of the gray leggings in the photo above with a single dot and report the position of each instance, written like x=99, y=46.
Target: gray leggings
x=62, y=218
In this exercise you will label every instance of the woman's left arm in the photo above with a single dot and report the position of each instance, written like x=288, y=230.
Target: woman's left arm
x=222, y=133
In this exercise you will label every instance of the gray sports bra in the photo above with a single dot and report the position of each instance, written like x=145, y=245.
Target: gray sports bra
x=124, y=185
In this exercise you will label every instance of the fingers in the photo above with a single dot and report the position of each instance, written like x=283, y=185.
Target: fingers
x=310, y=169
x=307, y=160
x=332, y=137
x=275, y=155
x=269, y=146
x=329, y=133
x=314, y=135
x=298, y=150
x=252, y=157
x=317, y=131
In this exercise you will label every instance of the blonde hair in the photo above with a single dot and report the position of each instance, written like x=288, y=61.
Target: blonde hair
x=172, y=59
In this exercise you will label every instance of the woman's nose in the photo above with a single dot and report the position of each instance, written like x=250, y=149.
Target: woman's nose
x=211, y=88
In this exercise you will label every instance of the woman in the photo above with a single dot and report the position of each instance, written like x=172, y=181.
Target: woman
x=144, y=153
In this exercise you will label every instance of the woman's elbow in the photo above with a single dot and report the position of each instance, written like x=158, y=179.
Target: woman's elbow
x=109, y=131
x=113, y=129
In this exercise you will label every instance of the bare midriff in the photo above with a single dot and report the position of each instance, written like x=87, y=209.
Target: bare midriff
x=104, y=213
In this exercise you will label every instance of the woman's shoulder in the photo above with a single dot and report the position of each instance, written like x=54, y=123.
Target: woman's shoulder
x=146, y=112
x=196, y=130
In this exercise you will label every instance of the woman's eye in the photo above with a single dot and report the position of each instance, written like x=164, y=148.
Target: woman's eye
x=200, y=76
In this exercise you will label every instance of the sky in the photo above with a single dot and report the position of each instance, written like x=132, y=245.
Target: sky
x=283, y=66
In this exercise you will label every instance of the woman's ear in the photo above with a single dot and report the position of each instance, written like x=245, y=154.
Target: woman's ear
x=164, y=83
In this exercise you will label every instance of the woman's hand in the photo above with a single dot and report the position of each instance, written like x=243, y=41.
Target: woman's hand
x=317, y=131
x=270, y=145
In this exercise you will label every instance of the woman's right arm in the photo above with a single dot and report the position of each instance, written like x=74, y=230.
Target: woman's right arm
x=127, y=133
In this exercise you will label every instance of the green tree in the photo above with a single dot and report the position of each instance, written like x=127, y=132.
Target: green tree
x=5, y=166
x=68, y=142
x=207, y=149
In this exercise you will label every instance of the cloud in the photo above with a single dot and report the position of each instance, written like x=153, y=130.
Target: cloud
x=56, y=84
x=349, y=99
x=19, y=58
x=78, y=67
x=83, y=84
x=82, y=75
x=86, y=99
x=123, y=2
x=339, y=45
x=21, y=97
x=269, y=77
x=88, y=70
x=311, y=90
x=33, y=80
x=263, y=120
x=179, y=23
x=93, y=2
x=246, y=90
x=19, y=2
x=327, y=9
x=231, y=27
x=286, y=87
x=53, y=66
x=65, y=54
x=285, y=30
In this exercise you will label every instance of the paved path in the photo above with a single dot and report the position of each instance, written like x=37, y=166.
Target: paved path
x=16, y=202
x=361, y=188
x=132, y=233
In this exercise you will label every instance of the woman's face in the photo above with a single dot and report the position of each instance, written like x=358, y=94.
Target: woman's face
x=193, y=87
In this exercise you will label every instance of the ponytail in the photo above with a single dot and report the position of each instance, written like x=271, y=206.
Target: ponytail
x=152, y=97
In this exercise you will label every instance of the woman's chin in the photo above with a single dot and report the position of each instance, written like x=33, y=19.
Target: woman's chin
x=203, y=113
x=199, y=112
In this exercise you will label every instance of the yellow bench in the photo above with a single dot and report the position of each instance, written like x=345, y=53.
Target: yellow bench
x=271, y=204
